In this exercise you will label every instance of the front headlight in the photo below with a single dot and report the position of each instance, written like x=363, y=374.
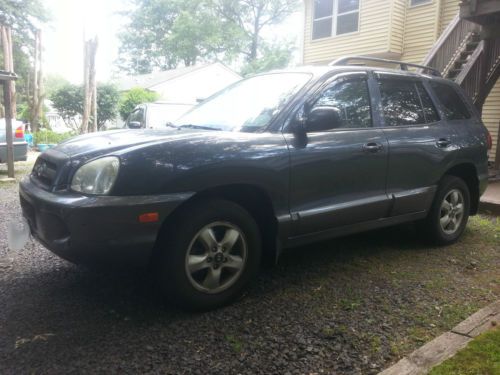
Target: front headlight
x=96, y=177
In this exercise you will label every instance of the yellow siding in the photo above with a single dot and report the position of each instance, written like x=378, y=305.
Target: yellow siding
x=372, y=37
x=491, y=115
x=388, y=28
x=449, y=9
x=397, y=26
x=420, y=31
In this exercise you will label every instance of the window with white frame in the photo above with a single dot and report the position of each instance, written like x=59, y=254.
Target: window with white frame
x=419, y=2
x=335, y=17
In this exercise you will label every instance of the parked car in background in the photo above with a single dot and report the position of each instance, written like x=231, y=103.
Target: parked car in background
x=155, y=115
x=274, y=161
x=20, y=145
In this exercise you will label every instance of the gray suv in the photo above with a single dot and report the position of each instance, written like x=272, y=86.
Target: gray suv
x=274, y=161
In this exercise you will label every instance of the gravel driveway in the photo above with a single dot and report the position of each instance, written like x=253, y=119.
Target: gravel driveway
x=349, y=306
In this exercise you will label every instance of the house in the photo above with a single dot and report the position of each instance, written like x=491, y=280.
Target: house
x=183, y=85
x=459, y=38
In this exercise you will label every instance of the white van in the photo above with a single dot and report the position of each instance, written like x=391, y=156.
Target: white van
x=155, y=115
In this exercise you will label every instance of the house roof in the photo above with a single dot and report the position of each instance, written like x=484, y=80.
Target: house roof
x=148, y=81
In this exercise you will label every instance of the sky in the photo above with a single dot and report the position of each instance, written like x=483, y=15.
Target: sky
x=63, y=37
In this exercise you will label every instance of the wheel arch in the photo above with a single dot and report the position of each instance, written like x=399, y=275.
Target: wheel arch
x=468, y=173
x=254, y=199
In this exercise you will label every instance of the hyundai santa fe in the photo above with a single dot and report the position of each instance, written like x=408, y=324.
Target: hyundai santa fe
x=272, y=162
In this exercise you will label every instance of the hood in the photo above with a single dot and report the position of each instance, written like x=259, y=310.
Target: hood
x=110, y=141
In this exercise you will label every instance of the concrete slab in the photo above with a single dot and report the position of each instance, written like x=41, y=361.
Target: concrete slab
x=471, y=325
x=445, y=346
x=403, y=367
x=490, y=201
x=7, y=179
x=438, y=350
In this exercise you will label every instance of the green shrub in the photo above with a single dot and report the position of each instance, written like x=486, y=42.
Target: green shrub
x=133, y=97
x=50, y=137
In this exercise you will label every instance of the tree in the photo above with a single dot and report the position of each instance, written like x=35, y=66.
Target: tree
x=134, y=97
x=274, y=56
x=68, y=101
x=108, y=99
x=252, y=16
x=162, y=34
x=24, y=17
x=54, y=82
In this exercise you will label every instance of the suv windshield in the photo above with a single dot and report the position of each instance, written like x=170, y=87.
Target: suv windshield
x=248, y=105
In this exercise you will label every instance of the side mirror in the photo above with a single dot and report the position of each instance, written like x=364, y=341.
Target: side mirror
x=323, y=118
x=134, y=125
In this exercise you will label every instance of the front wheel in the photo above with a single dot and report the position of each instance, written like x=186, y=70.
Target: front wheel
x=209, y=255
x=449, y=212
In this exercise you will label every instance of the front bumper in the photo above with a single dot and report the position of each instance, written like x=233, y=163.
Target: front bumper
x=95, y=229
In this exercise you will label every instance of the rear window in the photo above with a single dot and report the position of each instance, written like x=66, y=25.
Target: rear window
x=454, y=107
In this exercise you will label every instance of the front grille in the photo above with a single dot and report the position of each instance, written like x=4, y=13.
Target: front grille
x=44, y=172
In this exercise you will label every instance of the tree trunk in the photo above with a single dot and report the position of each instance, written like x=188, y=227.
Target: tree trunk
x=9, y=66
x=93, y=85
x=90, y=94
x=36, y=101
x=86, y=97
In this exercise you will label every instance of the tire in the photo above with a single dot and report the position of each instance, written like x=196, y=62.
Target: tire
x=210, y=240
x=445, y=223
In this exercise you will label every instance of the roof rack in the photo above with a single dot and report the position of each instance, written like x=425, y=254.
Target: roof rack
x=403, y=65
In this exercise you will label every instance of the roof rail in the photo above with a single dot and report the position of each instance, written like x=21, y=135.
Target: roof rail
x=403, y=65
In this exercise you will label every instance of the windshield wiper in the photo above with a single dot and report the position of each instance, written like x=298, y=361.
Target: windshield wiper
x=192, y=126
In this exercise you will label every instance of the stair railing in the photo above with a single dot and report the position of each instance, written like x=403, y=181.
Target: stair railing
x=450, y=41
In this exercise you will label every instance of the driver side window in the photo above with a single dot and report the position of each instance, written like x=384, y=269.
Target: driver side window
x=137, y=116
x=345, y=105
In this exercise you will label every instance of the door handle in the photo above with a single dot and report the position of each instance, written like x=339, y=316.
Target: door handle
x=372, y=147
x=443, y=142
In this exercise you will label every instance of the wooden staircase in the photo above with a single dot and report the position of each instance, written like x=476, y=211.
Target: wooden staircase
x=463, y=55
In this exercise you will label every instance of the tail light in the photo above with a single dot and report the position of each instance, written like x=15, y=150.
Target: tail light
x=489, y=141
x=19, y=133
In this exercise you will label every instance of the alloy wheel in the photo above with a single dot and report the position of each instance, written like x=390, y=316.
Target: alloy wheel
x=452, y=211
x=216, y=257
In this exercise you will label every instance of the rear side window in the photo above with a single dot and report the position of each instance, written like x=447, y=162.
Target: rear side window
x=454, y=107
x=430, y=112
x=401, y=103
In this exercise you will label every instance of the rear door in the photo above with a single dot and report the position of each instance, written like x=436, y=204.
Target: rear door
x=421, y=143
x=338, y=173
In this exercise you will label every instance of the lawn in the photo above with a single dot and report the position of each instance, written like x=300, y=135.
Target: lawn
x=480, y=357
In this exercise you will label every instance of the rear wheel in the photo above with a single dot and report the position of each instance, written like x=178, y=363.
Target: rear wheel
x=449, y=212
x=209, y=255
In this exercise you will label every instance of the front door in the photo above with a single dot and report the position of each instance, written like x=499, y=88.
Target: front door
x=338, y=173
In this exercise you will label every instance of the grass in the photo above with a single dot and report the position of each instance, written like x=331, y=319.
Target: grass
x=480, y=357
x=235, y=343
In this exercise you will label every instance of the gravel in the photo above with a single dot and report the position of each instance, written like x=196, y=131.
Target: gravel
x=348, y=306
